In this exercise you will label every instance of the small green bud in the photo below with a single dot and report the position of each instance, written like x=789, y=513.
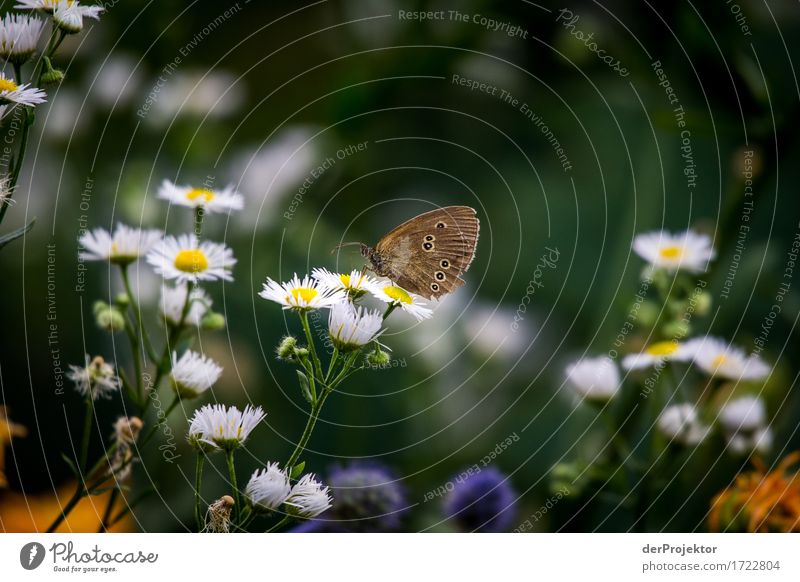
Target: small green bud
x=286, y=349
x=122, y=300
x=52, y=77
x=377, y=358
x=99, y=306
x=108, y=317
x=565, y=479
x=301, y=353
x=648, y=313
x=703, y=304
x=677, y=329
x=213, y=321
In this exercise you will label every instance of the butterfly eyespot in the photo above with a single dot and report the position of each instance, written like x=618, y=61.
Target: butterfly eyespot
x=440, y=224
x=430, y=238
x=444, y=264
x=428, y=246
x=434, y=286
x=439, y=276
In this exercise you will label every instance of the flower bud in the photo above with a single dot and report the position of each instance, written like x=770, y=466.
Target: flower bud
x=108, y=317
x=377, y=358
x=213, y=321
x=648, y=313
x=52, y=77
x=286, y=349
x=677, y=329
x=122, y=300
x=703, y=304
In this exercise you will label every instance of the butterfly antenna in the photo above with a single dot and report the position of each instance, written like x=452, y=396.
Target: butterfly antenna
x=347, y=244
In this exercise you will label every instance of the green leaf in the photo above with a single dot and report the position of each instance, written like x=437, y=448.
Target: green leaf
x=297, y=470
x=14, y=235
x=71, y=464
x=305, y=387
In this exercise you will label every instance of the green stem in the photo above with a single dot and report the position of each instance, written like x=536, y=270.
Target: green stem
x=198, y=478
x=332, y=364
x=87, y=431
x=232, y=475
x=285, y=521
x=73, y=501
x=392, y=307
x=137, y=313
x=158, y=424
x=105, y=523
x=311, y=346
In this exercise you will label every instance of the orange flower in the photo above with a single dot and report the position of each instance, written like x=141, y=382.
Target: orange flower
x=759, y=501
x=34, y=513
x=8, y=430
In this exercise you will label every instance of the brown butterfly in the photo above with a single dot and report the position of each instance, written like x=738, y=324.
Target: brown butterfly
x=427, y=254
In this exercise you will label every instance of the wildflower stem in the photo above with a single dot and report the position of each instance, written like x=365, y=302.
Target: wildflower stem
x=158, y=424
x=73, y=501
x=285, y=521
x=232, y=474
x=304, y=438
x=316, y=408
x=311, y=346
x=105, y=523
x=198, y=478
x=137, y=312
x=392, y=307
x=332, y=365
x=87, y=431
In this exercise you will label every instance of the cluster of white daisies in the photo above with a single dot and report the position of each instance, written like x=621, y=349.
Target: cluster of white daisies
x=20, y=35
x=743, y=419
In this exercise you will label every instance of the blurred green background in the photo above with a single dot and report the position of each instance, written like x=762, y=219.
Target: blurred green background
x=276, y=88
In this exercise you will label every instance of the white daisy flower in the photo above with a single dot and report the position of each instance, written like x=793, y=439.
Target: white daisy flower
x=656, y=354
x=96, y=379
x=193, y=374
x=218, y=426
x=309, y=497
x=718, y=358
x=399, y=297
x=680, y=423
x=595, y=379
x=743, y=414
x=268, y=488
x=352, y=327
x=688, y=250
x=210, y=200
x=302, y=295
x=356, y=283
x=173, y=300
x=10, y=92
x=19, y=36
x=125, y=246
x=186, y=259
x=68, y=15
x=759, y=441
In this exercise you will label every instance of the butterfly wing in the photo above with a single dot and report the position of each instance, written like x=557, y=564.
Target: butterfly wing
x=427, y=254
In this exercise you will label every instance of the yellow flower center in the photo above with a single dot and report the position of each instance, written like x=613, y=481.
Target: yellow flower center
x=398, y=294
x=719, y=361
x=191, y=261
x=303, y=295
x=7, y=85
x=673, y=252
x=196, y=193
x=345, y=279
x=662, y=348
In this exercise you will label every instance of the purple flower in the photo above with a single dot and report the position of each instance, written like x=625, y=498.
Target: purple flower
x=483, y=502
x=367, y=497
